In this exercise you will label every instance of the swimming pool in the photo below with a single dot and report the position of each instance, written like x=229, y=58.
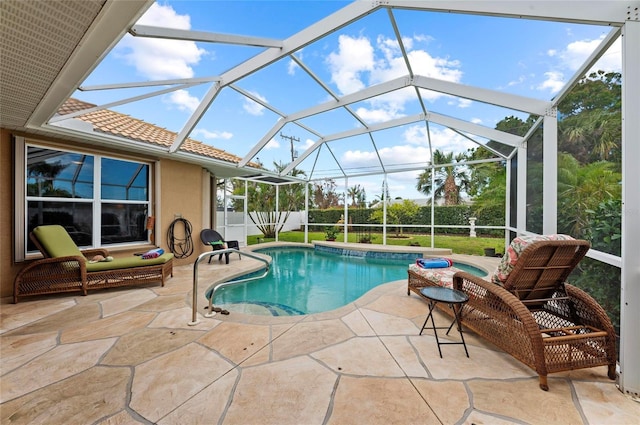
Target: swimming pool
x=307, y=280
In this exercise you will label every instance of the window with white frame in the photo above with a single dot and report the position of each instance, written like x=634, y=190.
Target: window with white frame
x=99, y=200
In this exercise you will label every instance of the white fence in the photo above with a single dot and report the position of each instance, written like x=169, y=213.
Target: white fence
x=235, y=226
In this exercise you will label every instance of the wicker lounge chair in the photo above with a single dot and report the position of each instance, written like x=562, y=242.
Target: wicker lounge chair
x=549, y=325
x=65, y=268
x=214, y=239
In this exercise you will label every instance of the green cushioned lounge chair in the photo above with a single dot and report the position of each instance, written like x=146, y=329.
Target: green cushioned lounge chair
x=65, y=268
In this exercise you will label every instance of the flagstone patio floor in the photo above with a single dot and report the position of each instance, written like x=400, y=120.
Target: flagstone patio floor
x=128, y=356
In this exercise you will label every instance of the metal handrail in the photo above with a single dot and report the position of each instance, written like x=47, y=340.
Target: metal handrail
x=194, y=307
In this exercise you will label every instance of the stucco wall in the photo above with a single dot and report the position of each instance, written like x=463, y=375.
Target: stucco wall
x=182, y=189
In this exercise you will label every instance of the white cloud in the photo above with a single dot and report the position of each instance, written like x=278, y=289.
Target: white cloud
x=393, y=155
x=521, y=79
x=441, y=138
x=404, y=154
x=357, y=64
x=390, y=46
x=359, y=158
x=575, y=53
x=416, y=135
x=447, y=140
x=414, y=150
x=423, y=38
x=212, y=135
x=404, y=184
x=464, y=103
x=377, y=115
x=306, y=144
x=424, y=64
x=476, y=120
x=291, y=67
x=611, y=60
x=272, y=144
x=573, y=57
x=183, y=100
x=553, y=82
x=354, y=57
x=254, y=108
x=162, y=59
x=165, y=16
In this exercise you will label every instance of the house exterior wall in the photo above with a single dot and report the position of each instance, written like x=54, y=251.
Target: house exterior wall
x=180, y=189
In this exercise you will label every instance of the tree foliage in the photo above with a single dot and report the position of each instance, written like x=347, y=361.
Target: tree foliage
x=591, y=118
x=601, y=280
x=261, y=202
x=325, y=194
x=448, y=181
x=357, y=195
x=589, y=136
x=382, y=197
x=398, y=213
x=581, y=188
x=487, y=181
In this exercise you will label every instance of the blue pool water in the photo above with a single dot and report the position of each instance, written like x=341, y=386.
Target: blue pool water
x=305, y=280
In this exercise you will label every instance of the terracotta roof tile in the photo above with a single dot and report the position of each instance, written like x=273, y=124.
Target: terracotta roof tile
x=117, y=124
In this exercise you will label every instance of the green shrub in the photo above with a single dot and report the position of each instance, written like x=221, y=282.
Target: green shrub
x=457, y=215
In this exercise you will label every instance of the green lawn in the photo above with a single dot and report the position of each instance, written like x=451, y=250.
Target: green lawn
x=458, y=244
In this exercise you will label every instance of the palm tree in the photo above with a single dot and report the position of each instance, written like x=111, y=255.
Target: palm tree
x=581, y=189
x=356, y=194
x=590, y=123
x=449, y=180
x=384, y=197
x=598, y=132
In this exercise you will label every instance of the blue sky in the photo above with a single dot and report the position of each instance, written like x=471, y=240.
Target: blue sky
x=528, y=58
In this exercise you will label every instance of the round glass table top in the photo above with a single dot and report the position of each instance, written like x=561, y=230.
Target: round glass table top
x=444, y=295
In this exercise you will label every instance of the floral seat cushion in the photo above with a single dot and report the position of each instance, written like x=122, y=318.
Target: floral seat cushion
x=508, y=261
x=439, y=276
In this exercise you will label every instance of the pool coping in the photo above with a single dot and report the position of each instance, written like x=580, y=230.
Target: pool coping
x=397, y=249
x=488, y=264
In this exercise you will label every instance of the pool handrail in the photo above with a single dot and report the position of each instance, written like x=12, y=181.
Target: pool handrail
x=194, y=305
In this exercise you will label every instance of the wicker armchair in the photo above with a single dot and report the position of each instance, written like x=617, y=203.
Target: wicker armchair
x=65, y=268
x=547, y=324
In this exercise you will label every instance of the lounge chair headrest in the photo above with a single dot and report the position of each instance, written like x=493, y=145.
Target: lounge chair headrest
x=510, y=258
x=56, y=241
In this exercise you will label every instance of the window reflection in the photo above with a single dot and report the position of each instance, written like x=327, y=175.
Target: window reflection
x=75, y=217
x=59, y=174
x=61, y=190
x=124, y=180
x=123, y=223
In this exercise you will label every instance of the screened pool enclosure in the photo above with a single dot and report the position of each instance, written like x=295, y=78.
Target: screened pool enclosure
x=372, y=102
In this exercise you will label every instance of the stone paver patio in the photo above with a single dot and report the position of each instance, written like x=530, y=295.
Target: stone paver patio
x=128, y=356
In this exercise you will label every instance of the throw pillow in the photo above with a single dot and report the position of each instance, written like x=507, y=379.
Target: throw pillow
x=509, y=259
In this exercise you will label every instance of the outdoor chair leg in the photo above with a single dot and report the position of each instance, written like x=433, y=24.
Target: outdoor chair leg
x=543, y=383
x=611, y=371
